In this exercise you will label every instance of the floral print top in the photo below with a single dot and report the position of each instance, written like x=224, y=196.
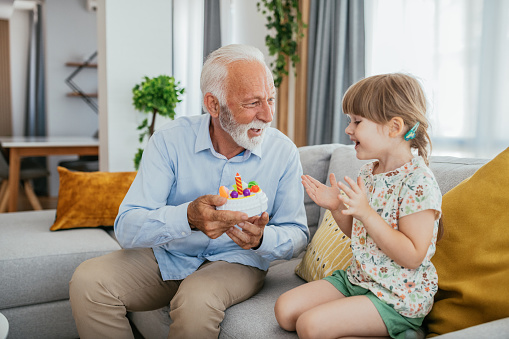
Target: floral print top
x=406, y=190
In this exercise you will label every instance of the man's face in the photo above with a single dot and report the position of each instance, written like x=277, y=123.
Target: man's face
x=239, y=132
x=250, y=103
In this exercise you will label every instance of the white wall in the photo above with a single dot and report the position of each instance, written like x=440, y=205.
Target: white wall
x=71, y=36
x=134, y=40
x=18, y=37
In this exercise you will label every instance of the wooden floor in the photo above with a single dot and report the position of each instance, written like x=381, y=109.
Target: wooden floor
x=46, y=202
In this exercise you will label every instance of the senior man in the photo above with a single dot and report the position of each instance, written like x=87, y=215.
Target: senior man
x=177, y=248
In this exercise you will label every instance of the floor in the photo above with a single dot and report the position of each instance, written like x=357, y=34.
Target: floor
x=46, y=202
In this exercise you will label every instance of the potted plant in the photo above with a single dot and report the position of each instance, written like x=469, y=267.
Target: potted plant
x=285, y=20
x=159, y=95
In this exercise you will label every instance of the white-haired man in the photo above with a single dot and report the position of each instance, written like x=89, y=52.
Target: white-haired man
x=177, y=248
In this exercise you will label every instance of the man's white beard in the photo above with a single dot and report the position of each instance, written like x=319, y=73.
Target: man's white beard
x=239, y=131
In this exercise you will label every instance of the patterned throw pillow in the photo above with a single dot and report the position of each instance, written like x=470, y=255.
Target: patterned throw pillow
x=328, y=251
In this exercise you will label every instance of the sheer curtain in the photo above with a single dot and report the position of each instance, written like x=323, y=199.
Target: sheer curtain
x=460, y=51
x=188, y=18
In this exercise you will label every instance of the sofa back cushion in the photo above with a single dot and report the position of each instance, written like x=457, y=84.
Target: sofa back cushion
x=315, y=162
x=450, y=171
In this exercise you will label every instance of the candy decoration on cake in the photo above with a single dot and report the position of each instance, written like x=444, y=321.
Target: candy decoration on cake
x=248, y=198
x=223, y=191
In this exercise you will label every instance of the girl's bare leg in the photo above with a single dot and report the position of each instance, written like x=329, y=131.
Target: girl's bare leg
x=292, y=304
x=348, y=317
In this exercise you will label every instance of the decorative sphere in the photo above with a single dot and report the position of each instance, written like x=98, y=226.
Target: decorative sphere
x=246, y=192
x=234, y=194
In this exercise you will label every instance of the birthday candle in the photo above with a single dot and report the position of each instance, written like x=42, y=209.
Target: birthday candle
x=238, y=183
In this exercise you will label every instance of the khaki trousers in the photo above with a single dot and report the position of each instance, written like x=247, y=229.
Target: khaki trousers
x=103, y=289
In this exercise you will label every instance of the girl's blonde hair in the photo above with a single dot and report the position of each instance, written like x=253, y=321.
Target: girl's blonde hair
x=380, y=98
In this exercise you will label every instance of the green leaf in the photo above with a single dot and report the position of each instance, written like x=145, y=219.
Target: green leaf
x=286, y=21
x=158, y=95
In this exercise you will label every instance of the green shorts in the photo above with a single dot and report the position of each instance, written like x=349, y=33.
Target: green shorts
x=397, y=325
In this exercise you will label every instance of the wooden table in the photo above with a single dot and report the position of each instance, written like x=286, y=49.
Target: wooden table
x=41, y=146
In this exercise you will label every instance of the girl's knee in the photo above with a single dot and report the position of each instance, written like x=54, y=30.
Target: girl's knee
x=284, y=313
x=308, y=327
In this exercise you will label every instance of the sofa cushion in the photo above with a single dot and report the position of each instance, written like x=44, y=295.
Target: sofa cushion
x=37, y=264
x=450, y=171
x=315, y=162
x=90, y=199
x=328, y=251
x=472, y=259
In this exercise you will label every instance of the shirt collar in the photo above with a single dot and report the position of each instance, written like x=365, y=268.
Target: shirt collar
x=204, y=142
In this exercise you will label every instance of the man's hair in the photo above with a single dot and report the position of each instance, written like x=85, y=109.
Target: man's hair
x=215, y=70
x=380, y=98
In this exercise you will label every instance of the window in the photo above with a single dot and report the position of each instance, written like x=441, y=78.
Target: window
x=460, y=51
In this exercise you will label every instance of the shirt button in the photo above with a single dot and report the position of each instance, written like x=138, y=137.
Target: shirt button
x=183, y=233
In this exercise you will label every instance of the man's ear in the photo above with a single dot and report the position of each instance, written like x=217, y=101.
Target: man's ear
x=212, y=104
x=396, y=126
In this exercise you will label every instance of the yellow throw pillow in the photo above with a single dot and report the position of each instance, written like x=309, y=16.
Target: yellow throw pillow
x=90, y=199
x=328, y=251
x=472, y=258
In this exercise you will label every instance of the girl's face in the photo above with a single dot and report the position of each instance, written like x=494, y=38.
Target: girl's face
x=370, y=138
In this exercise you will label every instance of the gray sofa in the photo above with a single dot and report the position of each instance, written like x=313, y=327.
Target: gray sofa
x=36, y=265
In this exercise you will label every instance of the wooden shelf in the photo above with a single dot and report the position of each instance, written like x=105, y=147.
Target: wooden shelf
x=80, y=64
x=74, y=94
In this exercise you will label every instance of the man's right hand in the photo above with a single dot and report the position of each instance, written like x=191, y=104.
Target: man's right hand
x=202, y=215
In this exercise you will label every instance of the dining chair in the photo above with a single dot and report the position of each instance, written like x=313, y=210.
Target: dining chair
x=28, y=170
x=85, y=163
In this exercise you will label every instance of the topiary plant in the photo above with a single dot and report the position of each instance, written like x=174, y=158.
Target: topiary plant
x=159, y=95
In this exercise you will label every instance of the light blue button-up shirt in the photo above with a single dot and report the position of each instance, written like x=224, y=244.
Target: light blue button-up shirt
x=180, y=164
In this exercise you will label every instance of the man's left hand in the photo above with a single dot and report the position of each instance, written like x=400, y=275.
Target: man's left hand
x=252, y=231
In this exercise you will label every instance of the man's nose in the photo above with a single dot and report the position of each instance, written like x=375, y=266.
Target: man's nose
x=266, y=112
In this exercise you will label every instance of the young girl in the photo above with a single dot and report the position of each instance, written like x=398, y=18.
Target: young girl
x=391, y=213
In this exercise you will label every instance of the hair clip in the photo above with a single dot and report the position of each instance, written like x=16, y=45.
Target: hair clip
x=411, y=134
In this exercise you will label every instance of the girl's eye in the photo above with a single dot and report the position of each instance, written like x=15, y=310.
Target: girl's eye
x=357, y=122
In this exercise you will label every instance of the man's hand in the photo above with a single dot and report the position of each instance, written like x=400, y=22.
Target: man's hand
x=202, y=215
x=252, y=231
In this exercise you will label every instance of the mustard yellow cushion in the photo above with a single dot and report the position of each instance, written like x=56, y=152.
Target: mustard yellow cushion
x=90, y=199
x=472, y=259
x=328, y=251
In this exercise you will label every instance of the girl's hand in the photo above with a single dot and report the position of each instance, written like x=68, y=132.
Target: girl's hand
x=324, y=196
x=356, y=199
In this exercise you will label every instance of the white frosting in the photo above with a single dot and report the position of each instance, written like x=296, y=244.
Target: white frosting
x=254, y=204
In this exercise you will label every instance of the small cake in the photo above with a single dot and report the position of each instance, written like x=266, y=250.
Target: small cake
x=247, y=198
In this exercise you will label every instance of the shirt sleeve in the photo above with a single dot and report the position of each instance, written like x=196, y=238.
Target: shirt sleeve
x=287, y=233
x=144, y=219
x=420, y=192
